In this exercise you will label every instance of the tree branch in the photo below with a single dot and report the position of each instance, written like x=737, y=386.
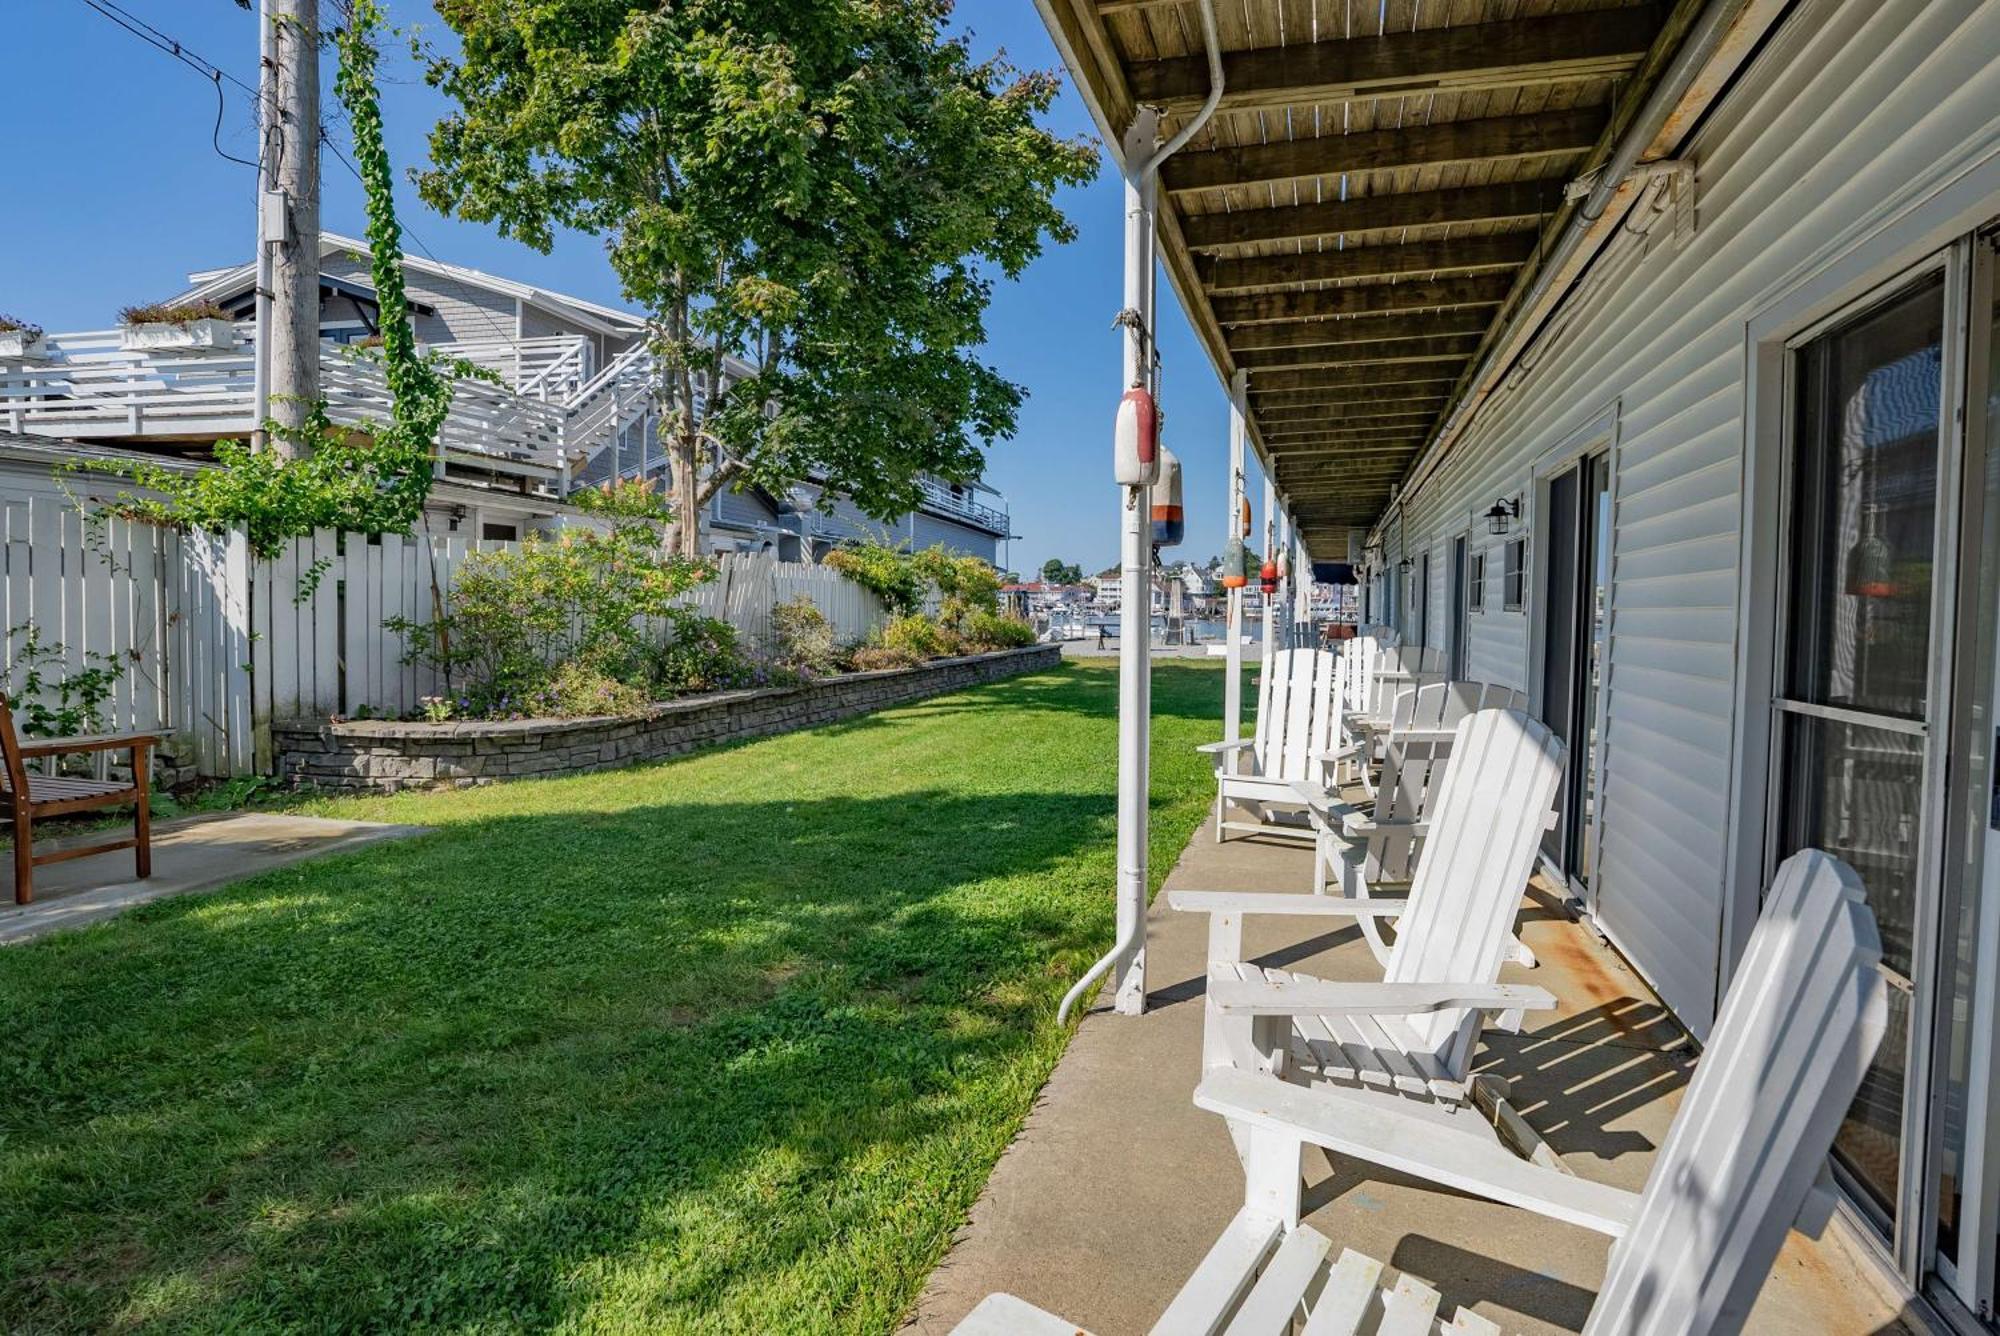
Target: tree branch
x=725, y=472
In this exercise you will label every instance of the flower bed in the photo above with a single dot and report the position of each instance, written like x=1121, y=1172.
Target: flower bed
x=383, y=756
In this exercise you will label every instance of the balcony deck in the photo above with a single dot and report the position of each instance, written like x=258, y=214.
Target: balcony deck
x=89, y=387
x=1117, y=1185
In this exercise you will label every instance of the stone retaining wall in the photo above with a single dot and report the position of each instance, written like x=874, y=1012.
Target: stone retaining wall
x=383, y=756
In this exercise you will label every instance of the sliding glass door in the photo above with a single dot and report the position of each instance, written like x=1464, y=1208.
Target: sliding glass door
x=1883, y=739
x=1856, y=702
x=1576, y=571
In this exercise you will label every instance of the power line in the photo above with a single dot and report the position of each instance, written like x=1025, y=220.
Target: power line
x=208, y=69
x=172, y=46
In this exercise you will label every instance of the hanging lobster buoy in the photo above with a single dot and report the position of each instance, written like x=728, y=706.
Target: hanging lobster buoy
x=1244, y=531
x=1137, y=438
x=1267, y=578
x=1235, y=574
x=1169, y=526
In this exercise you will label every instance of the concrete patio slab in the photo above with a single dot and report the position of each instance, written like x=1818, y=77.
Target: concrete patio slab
x=190, y=854
x=1117, y=1185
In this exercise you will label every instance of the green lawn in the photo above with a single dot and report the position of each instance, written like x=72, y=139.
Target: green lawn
x=724, y=1043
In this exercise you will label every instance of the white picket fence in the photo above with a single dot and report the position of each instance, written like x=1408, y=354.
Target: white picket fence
x=213, y=646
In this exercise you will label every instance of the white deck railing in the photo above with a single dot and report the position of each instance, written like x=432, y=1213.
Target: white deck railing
x=89, y=387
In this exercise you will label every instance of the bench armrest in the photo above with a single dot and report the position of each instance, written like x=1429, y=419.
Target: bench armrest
x=1320, y=997
x=1218, y=748
x=87, y=742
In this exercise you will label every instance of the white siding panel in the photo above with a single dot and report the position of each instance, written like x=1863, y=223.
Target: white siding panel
x=1846, y=115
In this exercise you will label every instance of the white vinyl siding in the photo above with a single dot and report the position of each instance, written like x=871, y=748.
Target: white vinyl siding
x=1848, y=112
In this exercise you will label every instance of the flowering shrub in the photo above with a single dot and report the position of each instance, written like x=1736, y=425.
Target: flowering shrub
x=919, y=637
x=700, y=654
x=804, y=638
x=991, y=630
x=605, y=603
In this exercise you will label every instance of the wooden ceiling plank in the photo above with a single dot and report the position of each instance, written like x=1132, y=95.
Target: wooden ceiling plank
x=1480, y=140
x=1508, y=200
x=1463, y=255
x=1363, y=354
x=1334, y=377
x=1374, y=299
x=1589, y=45
x=1360, y=330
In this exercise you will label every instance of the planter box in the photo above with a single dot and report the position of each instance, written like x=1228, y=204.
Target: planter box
x=206, y=335
x=19, y=345
x=382, y=756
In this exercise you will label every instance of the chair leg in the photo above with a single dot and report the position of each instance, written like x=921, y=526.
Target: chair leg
x=142, y=832
x=24, y=856
x=1220, y=809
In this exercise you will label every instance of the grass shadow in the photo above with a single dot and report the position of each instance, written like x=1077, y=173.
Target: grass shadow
x=725, y=1042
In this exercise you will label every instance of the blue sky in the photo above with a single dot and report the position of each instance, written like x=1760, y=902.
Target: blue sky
x=129, y=194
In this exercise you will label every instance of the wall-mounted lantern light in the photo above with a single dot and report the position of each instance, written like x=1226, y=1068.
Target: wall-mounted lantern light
x=1504, y=510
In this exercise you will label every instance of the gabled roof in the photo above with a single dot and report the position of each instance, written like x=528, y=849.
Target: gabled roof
x=211, y=283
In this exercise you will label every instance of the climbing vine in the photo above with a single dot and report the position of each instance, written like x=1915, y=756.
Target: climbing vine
x=369, y=477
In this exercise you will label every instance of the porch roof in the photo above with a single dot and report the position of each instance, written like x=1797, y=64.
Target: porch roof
x=1372, y=200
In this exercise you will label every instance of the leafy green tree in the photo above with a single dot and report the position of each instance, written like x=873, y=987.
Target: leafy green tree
x=825, y=187
x=1056, y=571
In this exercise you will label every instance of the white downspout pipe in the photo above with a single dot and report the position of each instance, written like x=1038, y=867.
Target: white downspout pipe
x=1141, y=160
x=1232, y=688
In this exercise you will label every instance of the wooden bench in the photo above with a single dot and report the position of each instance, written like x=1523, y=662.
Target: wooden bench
x=29, y=797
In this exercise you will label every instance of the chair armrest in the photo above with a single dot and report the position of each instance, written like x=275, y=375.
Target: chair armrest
x=1321, y=997
x=1333, y=754
x=1324, y=804
x=1284, y=903
x=1217, y=748
x=1384, y=1132
x=87, y=742
x=1361, y=824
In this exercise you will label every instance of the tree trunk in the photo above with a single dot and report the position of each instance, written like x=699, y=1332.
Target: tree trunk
x=686, y=499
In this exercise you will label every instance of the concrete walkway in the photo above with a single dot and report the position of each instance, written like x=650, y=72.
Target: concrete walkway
x=198, y=853
x=1117, y=1185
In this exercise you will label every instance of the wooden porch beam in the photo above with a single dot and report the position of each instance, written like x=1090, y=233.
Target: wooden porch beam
x=1484, y=139
x=1464, y=255
x=1529, y=201
x=1375, y=299
x=1507, y=54
x=1360, y=330
x=1340, y=377
x=1363, y=354
x=1416, y=400
x=1289, y=421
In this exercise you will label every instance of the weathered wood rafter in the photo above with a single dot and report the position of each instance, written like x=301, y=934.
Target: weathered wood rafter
x=1485, y=139
x=1510, y=201
x=1375, y=298
x=1361, y=263
x=1511, y=53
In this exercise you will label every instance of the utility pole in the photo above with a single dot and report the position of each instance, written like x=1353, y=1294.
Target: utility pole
x=288, y=215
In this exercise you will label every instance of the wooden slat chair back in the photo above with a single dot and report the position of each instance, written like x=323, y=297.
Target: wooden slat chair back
x=1414, y=764
x=1487, y=823
x=1742, y=1163
x=1295, y=715
x=1797, y=1030
x=28, y=797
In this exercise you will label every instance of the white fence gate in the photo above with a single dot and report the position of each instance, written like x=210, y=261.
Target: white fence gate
x=213, y=646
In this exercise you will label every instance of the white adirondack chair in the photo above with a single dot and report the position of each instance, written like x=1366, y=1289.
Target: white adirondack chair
x=1371, y=851
x=1297, y=719
x=1411, y=1035
x=1370, y=711
x=1742, y=1163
